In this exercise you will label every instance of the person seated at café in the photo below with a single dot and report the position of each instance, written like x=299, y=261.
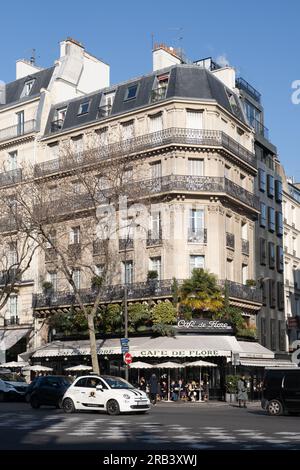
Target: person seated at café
x=174, y=389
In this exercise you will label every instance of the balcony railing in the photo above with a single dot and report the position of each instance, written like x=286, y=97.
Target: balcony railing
x=18, y=130
x=125, y=244
x=143, y=143
x=158, y=94
x=154, y=237
x=104, y=111
x=245, y=247
x=197, y=235
x=9, y=276
x=259, y=128
x=10, y=177
x=244, y=85
x=50, y=254
x=141, y=290
x=230, y=240
x=242, y=291
x=14, y=320
x=56, y=125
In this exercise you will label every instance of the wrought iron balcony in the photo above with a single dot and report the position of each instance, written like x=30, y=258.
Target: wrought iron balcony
x=230, y=240
x=125, y=244
x=104, y=111
x=242, y=291
x=244, y=85
x=197, y=235
x=13, y=320
x=158, y=94
x=143, y=143
x=56, y=125
x=245, y=247
x=154, y=237
x=259, y=128
x=10, y=177
x=18, y=130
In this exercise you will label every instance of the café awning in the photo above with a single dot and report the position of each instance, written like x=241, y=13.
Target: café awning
x=267, y=363
x=181, y=346
x=9, y=338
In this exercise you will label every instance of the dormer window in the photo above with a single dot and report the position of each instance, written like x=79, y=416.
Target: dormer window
x=84, y=108
x=59, y=117
x=159, y=91
x=27, y=88
x=131, y=92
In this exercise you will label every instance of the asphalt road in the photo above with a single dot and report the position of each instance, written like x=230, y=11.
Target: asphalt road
x=167, y=426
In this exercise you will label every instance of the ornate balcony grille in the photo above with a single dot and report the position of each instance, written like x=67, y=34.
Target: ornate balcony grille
x=154, y=237
x=13, y=320
x=198, y=235
x=230, y=240
x=125, y=244
x=245, y=247
x=242, y=291
x=10, y=177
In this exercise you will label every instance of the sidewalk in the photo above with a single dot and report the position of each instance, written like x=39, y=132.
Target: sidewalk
x=211, y=403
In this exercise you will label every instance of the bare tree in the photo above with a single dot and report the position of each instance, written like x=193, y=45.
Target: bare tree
x=79, y=213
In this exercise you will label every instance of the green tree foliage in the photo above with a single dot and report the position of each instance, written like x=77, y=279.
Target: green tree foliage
x=163, y=313
x=111, y=317
x=138, y=315
x=201, y=293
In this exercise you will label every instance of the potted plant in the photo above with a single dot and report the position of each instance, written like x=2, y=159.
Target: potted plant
x=47, y=287
x=231, y=388
x=251, y=283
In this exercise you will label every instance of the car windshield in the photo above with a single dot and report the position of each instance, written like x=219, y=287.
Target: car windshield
x=12, y=377
x=117, y=382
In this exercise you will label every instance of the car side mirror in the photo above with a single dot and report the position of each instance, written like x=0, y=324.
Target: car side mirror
x=99, y=387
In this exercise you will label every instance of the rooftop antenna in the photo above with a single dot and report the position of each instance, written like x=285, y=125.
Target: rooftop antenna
x=152, y=40
x=179, y=40
x=33, y=57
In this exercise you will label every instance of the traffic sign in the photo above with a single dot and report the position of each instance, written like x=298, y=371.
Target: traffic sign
x=124, y=345
x=127, y=358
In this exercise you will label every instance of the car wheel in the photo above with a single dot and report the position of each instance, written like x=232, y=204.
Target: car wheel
x=34, y=403
x=68, y=405
x=112, y=407
x=274, y=408
x=2, y=397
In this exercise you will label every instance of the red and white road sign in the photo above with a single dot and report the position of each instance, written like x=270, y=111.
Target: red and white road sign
x=127, y=358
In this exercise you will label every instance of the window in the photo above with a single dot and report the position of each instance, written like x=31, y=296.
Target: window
x=244, y=273
x=292, y=381
x=155, y=123
x=156, y=170
x=131, y=92
x=271, y=219
x=13, y=306
x=263, y=332
x=263, y=251
x=280, y=295
x=77, y=147
x=244, y=231
x=279, y=258
x=227, y=171
x=84, y=108
x=196, y=223
x=75, y=235
x=279, y=224
x=155, y=225
x=76, y=187
x=270, y=185
x=127, y=272
x=272, y=293
x=229, y=269
x=273, y=333
x=53, y=151
x=52, y=277
x=13, y=160
x=264, y=293
x=127, y=130
x=262, y=179
x=20, y=122
x=271, y=255
x=196, y=262
x=194, y=119
x=12, y=254
x=81, y=382
x=195, y=167
x=155, y=265
x=76, y=278
x=99, y=270
x=92, y=382
x=27, y=88
x=278, y=191
x=263, y=215
x=61, y=113
x=102, y=136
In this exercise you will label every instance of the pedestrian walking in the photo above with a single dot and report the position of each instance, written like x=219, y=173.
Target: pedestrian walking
x=242, y=395
x=153, y=388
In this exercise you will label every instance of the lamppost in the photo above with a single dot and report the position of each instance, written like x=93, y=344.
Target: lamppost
x=127, y=239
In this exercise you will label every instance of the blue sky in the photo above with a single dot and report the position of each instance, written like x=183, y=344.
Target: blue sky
x=260, y=38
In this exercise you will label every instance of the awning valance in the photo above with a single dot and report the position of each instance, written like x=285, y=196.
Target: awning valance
x=9, y=338
x=267, y=363
x=251, y=349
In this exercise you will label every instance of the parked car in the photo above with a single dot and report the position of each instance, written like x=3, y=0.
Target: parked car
x=111, y=394
x=12, y=386
x=48, y=390
x=281, y=391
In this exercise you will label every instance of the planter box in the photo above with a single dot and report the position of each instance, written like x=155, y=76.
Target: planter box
x=231, y=397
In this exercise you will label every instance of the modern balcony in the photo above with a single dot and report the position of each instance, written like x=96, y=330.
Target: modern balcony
x=242, y=84
x=245, y=247
x=230, y=240
x=11, y=177
x=197, y=235
x=18, y=130
x=148, y=142
x=137, y=291
x=259, y=128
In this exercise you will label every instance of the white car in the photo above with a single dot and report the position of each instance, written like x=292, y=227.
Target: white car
x=111, y=394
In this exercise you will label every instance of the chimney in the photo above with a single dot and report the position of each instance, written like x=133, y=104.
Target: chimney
x=25, y=67
x=71, y=47
x=2, y=93
x=165, y=56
